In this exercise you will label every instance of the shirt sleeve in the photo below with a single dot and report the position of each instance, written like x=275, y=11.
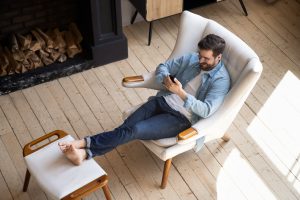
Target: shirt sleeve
x=170, y=67
x=213, y=100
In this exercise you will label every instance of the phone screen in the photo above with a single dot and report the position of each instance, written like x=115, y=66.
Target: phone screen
x=172, y=78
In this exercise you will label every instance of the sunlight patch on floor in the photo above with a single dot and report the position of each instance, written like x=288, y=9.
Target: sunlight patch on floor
x=244, y=176
x=276, y=129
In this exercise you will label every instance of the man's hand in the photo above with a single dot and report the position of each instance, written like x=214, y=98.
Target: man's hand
x=175, y=88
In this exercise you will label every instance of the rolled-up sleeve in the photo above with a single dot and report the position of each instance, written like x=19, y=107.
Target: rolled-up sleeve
x=170, y=67
x=161, y=72
x=213, y=99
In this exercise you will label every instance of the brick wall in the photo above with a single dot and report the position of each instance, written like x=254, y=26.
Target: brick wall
x=23, y=15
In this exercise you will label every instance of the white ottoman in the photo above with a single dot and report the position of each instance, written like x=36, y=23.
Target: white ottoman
x=56, y=175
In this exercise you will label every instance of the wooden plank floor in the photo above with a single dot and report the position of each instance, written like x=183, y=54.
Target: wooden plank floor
x=261, y=161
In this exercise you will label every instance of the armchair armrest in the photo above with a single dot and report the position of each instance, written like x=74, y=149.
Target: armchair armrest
x=146, y=80
x=186, y=134
x=189, y=135
x=130, y=79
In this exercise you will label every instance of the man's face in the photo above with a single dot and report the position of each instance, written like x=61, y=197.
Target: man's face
x=207, y=59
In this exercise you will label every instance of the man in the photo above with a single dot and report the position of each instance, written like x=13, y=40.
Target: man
x=197, y=91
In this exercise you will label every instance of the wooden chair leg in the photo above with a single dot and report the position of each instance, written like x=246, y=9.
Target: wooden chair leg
x=166, y=173
x=26, y=182
x=244, y=8
x=106, y=192
x=150, y=34
x=226, y=137
x=133, y=17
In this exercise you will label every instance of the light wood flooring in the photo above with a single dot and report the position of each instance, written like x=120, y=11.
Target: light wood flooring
x=261, y=161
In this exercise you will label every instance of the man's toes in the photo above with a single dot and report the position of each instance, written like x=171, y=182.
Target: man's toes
x=65, y=148
x=62, y=147
x=72, y=148
x=62, y=144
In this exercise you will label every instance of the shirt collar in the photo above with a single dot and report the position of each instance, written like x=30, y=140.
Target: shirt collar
x=212, y=72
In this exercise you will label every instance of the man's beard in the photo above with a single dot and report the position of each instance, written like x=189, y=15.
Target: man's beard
x=206, y=67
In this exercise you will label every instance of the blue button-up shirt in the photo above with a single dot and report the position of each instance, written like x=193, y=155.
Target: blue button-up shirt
x=214, y=85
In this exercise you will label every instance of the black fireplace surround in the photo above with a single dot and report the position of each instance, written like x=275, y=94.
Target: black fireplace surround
x=99, y=21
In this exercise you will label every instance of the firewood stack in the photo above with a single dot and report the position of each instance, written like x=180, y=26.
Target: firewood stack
x=38, y=48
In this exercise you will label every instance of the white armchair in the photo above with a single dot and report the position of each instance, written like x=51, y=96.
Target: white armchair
x=244, y=68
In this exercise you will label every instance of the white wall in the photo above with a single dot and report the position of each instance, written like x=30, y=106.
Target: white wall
x=127, y=12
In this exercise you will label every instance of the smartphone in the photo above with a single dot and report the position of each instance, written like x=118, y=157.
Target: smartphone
x=172, y=78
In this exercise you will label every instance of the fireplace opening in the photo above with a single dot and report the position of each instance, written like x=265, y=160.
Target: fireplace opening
x=31, y=33
x=38, y=49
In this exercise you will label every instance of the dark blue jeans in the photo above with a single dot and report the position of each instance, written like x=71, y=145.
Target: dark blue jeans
x=153, y=120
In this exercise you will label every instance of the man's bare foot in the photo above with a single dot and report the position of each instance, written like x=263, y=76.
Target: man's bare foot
x=78, y=144
x=76, y=156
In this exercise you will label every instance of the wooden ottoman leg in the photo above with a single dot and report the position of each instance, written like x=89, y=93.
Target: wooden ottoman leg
x=26, y=182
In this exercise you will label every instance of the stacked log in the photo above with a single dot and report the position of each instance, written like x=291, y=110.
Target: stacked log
x=38, y=49
x=4, y=63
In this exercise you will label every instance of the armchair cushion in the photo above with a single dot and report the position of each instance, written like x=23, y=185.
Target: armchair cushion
x=166, y=153
x=165, y=142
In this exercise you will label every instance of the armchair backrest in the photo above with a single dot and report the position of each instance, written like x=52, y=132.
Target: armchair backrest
x=241, y=61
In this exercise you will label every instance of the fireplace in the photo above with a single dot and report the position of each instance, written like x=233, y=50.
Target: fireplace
x=99, y=22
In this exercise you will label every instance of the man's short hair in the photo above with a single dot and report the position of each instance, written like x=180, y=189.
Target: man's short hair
x=214, y=43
